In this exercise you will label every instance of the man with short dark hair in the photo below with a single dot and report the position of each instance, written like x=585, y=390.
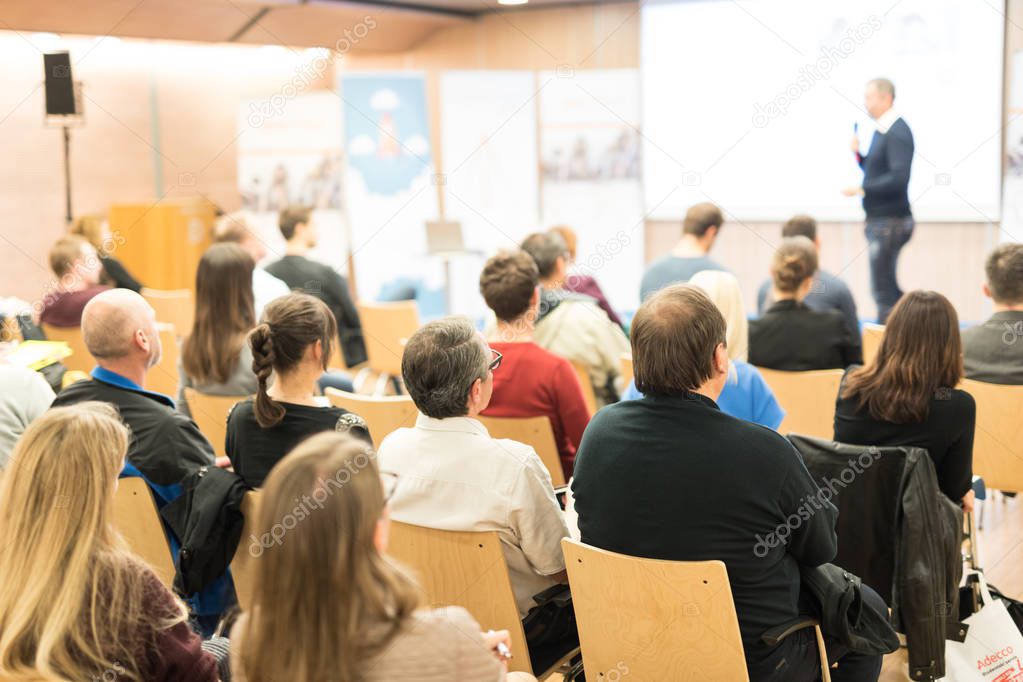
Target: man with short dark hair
x=454, y=476
x=573, y=325
x=885, y=191
x=993, y=351
x=699, y=231
x=670, y=476
x=301, y=273
x=235, y=228
x=533, y=381
x=828, y=292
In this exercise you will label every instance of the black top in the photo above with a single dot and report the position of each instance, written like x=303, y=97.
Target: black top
x=675, y=478
x=946, y=434
x=792, y=337
x=166, y=446
x=886, y=172
x=118, y=276
x=323, y=282
x=253, y=450
x=993, y=351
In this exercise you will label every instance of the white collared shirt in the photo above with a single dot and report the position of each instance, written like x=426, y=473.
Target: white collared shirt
x=885, y=121
x=453, y=476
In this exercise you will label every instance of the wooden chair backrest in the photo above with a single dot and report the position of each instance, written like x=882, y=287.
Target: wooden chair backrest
x=210, y=415
x=625, y=362
x=808, y=399
x=872, y=334
x=136, y=518
x=173, y=306
x=248, y=551
x=647, y=619
x=589, y=397
x=163, y=377
x=383, y=414
x=998, y=438
x=80, y=359
x=467, y=569
x=533, y=431
x=384, y=326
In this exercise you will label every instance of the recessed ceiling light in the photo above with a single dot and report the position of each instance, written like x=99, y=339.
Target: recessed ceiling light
x=512, y=2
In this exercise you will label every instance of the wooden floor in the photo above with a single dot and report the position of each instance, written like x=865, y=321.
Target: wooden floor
x=1000, y=546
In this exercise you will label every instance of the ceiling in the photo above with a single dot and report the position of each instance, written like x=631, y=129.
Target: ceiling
x=296, y=23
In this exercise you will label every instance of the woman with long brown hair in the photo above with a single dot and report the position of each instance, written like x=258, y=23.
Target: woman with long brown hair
x=328, y=604
x=75, y=604
x=291, y=345
x=907, y=395
x=789, y=335
x=215, y=358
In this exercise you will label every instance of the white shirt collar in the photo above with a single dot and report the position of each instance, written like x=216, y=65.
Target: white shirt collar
x=886, y=120
x=456, y=424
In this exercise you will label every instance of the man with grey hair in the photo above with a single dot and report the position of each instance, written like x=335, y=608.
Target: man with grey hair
x=119, y=329
x=454, y=476
x=885, y=192
x=237, y=229
x=573, y=325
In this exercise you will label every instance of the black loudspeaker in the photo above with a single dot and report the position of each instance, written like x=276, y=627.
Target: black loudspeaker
x=60, y=90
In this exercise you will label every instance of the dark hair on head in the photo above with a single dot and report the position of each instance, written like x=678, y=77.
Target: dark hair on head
x=1004, y=270
x=794, y=262
x=800, y=226
x=224, y=313
x=545, y=248
x=507, y=283
x=921, y=352
x=289, y=326
x=674, y=336
x=700, y=218
x=440, y=364
x=290, y=218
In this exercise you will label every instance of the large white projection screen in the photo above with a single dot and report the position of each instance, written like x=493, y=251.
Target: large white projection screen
x=752, y=104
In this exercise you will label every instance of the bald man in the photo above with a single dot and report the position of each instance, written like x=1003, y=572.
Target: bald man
x=119, y=329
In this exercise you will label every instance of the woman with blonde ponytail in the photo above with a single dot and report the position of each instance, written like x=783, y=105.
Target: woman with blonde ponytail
x=75, y=604
x=790, y=336
x=328, y=604
x=290, y=348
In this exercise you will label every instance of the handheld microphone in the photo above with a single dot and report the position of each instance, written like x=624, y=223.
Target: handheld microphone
x=856, y=127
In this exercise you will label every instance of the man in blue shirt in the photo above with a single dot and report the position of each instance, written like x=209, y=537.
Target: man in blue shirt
x=885, y=192
x=699, y=230
x=828, y=292
x=119, y=329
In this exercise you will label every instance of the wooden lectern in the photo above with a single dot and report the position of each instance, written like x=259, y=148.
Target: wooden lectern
x=161, y=244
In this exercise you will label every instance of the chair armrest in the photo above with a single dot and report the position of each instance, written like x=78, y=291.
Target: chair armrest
x=779, y=633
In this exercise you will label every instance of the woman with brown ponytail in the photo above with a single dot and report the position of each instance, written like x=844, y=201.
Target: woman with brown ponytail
x=790, y=336
x=291, y=345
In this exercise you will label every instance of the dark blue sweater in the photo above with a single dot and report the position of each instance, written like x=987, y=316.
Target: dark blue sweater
x=886, y=172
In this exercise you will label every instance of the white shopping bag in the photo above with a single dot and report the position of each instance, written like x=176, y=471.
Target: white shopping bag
x=993, y=650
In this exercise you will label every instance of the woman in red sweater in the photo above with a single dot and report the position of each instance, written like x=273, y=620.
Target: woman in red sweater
x=532, y=381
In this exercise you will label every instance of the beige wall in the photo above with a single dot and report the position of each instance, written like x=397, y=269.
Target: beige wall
x=188, y=94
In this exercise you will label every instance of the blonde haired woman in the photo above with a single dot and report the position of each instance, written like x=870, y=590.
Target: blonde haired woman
x=74, y=603
x=746, y=395
x=328, y=604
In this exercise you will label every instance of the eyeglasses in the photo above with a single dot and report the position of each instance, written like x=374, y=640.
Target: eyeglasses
x=496, y=362
x=389, y=481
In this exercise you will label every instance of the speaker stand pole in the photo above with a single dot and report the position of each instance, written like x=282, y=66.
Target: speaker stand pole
x=67, y=175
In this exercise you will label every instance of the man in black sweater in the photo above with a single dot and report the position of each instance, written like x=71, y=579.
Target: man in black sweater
x=672, y=477
x=320, y=280
x=885, y=193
